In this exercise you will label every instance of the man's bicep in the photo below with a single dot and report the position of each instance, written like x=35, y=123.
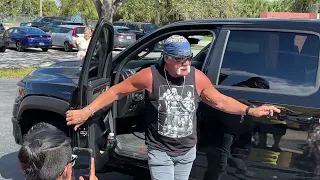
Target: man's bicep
x=208, y=93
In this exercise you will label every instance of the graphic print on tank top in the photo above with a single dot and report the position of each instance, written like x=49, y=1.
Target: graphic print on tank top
x=176, y=111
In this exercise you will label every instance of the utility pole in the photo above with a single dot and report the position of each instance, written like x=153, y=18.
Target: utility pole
x=40, y=8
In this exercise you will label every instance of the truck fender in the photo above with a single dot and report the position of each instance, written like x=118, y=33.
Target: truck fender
x=43, y=103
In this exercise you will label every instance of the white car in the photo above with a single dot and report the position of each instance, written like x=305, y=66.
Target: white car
x=63, y=35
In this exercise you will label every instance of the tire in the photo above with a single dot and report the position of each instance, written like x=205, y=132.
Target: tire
x=45, y=49
x=19, y=46
x=67, y=46
x=3, y=49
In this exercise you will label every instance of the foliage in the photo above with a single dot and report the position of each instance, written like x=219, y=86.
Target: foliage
x=74, y=7
x=10, y=7
x=27, y=7
x=49, y=8
x=138, y=10
x=252, y=8
x=157, y=11
x=175, y=10
x=15, y=72
x=305, y=5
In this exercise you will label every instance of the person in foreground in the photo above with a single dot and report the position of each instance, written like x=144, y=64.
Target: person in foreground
x=174, y=89
x=46, y=154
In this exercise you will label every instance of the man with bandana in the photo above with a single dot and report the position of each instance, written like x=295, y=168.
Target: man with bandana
x=171, y=155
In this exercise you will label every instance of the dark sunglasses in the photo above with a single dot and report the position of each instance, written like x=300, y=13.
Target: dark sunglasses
x=182, y=59
x=72, y=162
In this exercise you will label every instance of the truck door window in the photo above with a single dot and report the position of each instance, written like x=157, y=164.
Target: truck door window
x=286, y=62
x=99, y=56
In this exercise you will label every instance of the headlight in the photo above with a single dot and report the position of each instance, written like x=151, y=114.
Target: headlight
x=20, y=92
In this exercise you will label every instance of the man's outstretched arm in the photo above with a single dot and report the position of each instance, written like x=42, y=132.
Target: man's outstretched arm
x=139, y=81
x=215, y=99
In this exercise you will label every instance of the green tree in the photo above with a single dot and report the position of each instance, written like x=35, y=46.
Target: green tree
x=49, y=8
x=252, y=8
x=84, y=7
x=305, y=5
x=280, y=6
x=168, y=11
x=10, y=7
x=32, y=8
x=138, y=10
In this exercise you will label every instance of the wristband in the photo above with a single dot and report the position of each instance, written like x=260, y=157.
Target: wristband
x=248, y=108
x=91, y=110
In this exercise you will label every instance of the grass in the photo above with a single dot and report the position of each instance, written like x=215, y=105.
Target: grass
x=12, y=24
x=15, y=72
x=207, y=38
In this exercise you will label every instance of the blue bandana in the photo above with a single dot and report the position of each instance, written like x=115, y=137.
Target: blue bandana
x=177, y=46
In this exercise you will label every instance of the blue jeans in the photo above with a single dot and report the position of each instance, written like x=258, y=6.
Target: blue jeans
x=165, y=167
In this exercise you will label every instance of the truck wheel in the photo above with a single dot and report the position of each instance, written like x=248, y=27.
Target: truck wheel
x=3, y=49
x=45, y=49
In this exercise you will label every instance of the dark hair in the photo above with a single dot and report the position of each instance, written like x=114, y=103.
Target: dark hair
x=314, y=144
x=45, y=153
x=41, y=126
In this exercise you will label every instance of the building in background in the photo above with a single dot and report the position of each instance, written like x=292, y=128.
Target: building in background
x=289, y=15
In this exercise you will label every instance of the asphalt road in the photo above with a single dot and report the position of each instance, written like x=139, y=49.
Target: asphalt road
x=33, y=57
x=9, y=167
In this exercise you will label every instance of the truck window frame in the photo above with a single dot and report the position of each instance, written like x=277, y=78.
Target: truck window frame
x=224, y=46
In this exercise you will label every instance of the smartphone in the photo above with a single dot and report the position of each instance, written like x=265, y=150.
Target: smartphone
x=82, y=164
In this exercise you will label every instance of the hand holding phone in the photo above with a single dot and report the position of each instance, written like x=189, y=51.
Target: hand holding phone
x=84, y=167
x=92, y=175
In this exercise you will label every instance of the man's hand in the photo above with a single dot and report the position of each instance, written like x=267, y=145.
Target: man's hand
x=92, y=175
x=139, y=81
x=77, y=117
x=263, y=111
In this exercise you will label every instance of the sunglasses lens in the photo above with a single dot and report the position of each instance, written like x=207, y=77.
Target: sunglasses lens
x=184, y=59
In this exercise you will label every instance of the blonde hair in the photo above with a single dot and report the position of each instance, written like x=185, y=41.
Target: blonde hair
x=88, y=29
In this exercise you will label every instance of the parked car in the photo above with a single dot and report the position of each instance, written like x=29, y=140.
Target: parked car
x=257, y=61
x=42, y=21
x=139, y=28
x=54, y=23
x=23, y=37
x=123, y=37
x=4, y=38
x=63, y=35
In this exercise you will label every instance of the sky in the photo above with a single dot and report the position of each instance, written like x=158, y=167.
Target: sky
x=58, y=3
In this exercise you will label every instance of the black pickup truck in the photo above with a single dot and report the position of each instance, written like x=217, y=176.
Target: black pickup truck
x=42, y=21
x=257, y=61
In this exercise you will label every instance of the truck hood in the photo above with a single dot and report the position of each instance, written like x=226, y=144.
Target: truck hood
x=58, y=80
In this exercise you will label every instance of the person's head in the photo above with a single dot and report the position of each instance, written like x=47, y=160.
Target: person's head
x=174, y=91
x=314, y=145
x=87, y=33
x=177, y=55
x=46, y=154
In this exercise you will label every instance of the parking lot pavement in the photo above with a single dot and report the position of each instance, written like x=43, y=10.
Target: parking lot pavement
x=33, y=57
x=9, y=167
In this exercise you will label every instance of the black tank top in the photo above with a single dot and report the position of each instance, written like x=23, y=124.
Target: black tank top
x=171, y=112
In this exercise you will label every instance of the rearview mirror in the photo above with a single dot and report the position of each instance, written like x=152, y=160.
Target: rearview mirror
x=193, y=40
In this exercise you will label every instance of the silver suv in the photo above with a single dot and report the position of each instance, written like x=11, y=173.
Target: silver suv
x=63, y=35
